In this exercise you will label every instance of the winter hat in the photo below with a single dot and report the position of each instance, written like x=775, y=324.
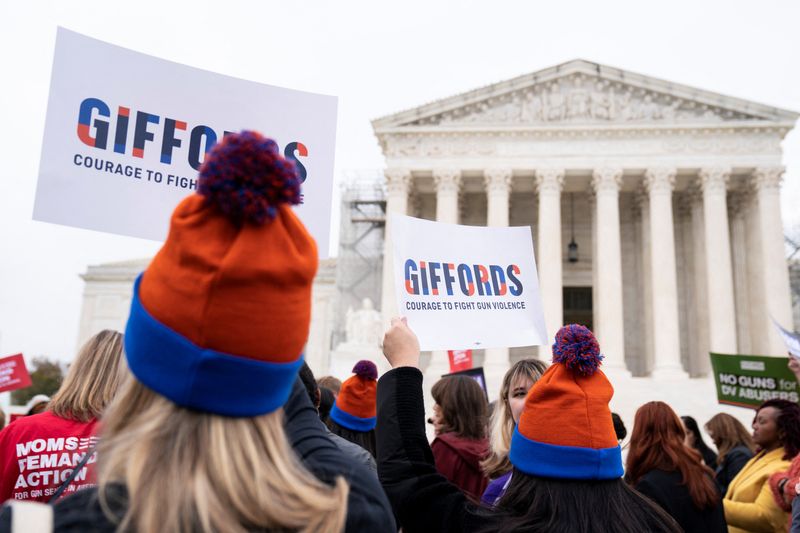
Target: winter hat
x=354, y=407
x=565, y=430
x=219, y=319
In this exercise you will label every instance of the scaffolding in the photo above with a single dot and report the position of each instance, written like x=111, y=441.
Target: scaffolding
x=359, y=269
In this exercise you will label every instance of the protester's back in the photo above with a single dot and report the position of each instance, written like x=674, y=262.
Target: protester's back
x=670, y=473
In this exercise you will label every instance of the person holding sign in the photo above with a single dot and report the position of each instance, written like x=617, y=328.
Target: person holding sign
x=209, y=432
x=749, y=502
x=567, y=472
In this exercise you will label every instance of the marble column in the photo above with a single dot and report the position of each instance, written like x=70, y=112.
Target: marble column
x=736, y=216
x=498, y=193
x=645, y=301
x=663, y=279
x=448, y=189
x=549, y=183
x=774, y=271
x=719, y=271
x=699, y=329
x=398, y=186
x=608, y=316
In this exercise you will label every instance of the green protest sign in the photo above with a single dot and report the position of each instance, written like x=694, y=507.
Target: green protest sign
x=750, y=380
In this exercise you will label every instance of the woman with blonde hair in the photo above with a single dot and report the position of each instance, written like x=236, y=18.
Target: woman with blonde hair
x=209, y=432
x=734, y=447
x=516, y=383
x=38, y=452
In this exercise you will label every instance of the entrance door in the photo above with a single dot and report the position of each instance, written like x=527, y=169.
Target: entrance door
x=578, y=306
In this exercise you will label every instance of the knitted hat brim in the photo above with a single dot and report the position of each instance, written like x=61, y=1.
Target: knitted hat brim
x=198, y=378
x=352, y=422
x=564, y=462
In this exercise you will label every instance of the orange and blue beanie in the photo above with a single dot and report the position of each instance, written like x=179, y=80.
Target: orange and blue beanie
x=220, y=317
x=354, y=407
x=565, y=430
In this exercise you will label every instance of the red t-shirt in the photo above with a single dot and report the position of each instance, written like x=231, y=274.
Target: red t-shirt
x=38, y=453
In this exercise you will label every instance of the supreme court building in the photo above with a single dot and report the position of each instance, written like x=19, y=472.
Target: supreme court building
x=654, y=207
x=654, y=211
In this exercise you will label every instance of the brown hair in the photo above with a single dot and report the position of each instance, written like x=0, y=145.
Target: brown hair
x=331, y=383
x=728, y=433
x=502, y=422
x=463, y=406
x=92, y=380
x=657, y=442
x=190, y=471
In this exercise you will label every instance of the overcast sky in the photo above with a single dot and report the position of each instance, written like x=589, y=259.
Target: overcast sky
x=379, y=58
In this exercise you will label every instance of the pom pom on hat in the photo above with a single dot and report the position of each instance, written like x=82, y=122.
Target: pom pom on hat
x=583, y=445
x=577, y=348
x=247, y=178
x=366, y=369
x=355, y=406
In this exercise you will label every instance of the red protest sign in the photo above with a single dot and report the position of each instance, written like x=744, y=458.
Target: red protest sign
x=460, y=360
x=13, y=374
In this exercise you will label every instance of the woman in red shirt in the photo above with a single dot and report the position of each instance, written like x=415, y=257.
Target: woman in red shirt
x=38, y=452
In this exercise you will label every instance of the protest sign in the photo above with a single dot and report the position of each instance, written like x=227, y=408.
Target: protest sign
x=750, y=380
x=13, y=373
x=459, y=360
x=467, y=287
x=792, y=340
x=125, y=135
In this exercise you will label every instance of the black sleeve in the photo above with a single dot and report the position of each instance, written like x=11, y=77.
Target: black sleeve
x=367, y=506
x=734, y=462
x=652, y=492
x=423, y=500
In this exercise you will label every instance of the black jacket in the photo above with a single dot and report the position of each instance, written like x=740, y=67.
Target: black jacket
x=367, y=506
x=422, y=499
x=731, y=465
x=666, y=489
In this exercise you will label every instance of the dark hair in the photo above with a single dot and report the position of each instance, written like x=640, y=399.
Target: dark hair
x=326, y=399
x=565, y=505
x=463, y=406
x=307, y=377
x=699, y=444
x=619, y=426
x=788, y=423
x=657, y=442
x=365, y=439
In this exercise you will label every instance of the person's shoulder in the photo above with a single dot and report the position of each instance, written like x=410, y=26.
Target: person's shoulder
x=661, y=477
x=82, y=511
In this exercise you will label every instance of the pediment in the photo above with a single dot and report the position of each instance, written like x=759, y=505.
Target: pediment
x=582, y=93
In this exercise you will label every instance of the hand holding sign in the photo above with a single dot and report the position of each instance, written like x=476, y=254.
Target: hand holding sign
x=400, y=344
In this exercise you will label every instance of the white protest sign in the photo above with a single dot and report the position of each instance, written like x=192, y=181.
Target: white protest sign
x=792, y=340
x=126, y=133
x=467, y=287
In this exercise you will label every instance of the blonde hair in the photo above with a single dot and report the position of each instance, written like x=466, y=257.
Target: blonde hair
x=502, y=422
x=728, y=433
x=187, y=471
x=92, y=380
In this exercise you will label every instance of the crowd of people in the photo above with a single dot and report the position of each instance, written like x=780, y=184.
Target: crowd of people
x=204, y=417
